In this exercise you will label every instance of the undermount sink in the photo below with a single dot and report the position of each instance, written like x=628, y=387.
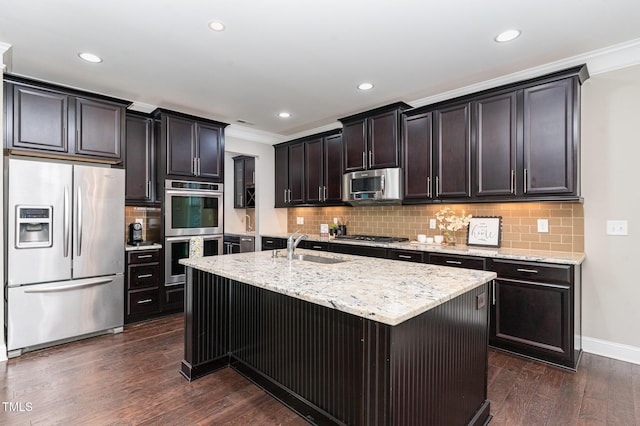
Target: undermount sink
x=317, y=259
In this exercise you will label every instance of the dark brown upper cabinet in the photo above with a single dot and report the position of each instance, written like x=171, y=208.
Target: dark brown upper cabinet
x=190, y=147
x=518, y=142
x=372, y=139
x=323, y=168
x=48, y=120
x=244, y=182
x=452, y=152
x=140, y=185
x=496, y=145
x=289, y=179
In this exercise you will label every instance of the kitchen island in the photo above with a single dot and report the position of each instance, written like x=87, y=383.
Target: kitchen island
x=363, y=341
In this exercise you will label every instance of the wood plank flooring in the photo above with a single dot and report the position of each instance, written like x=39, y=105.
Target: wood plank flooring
x=132, y=378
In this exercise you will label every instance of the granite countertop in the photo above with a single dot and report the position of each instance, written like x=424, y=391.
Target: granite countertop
x=154, y=246
x=387, y=291
x=559, y=257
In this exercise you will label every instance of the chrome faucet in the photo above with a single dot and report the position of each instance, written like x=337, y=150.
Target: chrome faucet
x=249, y=227
x=292, y=244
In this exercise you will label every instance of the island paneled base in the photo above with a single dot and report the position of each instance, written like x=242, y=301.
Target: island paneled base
x=333, y=367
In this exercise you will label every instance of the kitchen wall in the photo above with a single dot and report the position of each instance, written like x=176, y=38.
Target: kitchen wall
x=610, y=153
x=3, y=56
x=519, y=222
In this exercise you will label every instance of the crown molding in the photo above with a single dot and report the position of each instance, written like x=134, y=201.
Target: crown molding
x=598, y=61
x=253, y=135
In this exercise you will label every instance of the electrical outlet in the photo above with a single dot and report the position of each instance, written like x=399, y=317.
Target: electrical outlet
x=299, y=220
x=543, y=225
x=617, y=227
x=432, y=224
x=140, y=221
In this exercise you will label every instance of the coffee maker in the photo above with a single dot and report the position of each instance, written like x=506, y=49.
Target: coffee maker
x=135, y=234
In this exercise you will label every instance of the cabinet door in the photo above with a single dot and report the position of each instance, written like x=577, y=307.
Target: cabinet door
x=249, y=171
x=383, y=141
x=333, y=168
x=138, y=159
x=550, y=130
x=282, y=175
x=418, y=145
x=532, y=316
x=180, y=146
x=495, y=149
x=99, y=128
x=313, y=165
x=238, y=184
x=39, y=119
x=209, y=151
x=296, y=174
x=453, y=150
x=355, y=145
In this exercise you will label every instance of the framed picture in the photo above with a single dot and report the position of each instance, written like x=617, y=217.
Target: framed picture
x=484, y=231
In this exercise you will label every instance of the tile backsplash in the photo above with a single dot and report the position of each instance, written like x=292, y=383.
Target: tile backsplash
x=151, y=218
x=519, y=222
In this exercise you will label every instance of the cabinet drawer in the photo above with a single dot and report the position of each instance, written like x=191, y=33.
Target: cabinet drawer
x=144, y=256
x=144, y=275
x=273, y=243
x=143, y=302
x=174, y=296
x=533, y=271
x=458, y=261
x=315, y=245
x=406, y=255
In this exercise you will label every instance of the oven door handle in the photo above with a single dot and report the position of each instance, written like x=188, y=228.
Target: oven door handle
x=188, y=192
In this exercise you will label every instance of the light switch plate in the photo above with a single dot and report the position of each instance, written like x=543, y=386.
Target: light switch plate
x=543, y=225
x=617, y=227
x=432, y=224
x=299, y=220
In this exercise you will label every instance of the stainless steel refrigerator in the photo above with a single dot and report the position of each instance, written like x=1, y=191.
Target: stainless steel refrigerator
x=65, y=251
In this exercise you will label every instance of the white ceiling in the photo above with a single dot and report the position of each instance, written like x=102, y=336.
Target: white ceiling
x=306, y=57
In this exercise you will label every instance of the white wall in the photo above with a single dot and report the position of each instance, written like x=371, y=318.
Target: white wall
x=611, y=190
x=268, y=219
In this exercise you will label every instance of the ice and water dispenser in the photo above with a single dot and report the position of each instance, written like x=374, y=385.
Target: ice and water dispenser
x=33, y=226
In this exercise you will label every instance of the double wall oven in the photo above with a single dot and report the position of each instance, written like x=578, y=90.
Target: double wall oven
x=191, y=209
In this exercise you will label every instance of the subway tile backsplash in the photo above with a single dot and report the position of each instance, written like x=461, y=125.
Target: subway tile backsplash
x=519, y=222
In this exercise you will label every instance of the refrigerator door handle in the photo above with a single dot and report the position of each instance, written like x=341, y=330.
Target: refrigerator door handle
x=66, y=222
x=79, y=219
x=70, y=287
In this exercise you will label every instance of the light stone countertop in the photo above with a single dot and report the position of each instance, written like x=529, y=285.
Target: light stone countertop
x=559, y=257
x=154, y=246
x=387, y=291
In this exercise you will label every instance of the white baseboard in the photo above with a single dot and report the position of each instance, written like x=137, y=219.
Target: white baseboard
x=3, y=353
x=611, y=350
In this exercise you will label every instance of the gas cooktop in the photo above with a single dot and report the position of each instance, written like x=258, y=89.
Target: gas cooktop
x=372, y=238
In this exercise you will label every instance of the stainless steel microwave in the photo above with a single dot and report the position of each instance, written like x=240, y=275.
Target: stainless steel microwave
x=381, y=186
x=193, y=208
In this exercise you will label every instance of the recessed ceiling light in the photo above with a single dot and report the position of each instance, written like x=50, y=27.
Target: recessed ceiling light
x=90, y=57
x=507, y=35
x=365, y=86
x=284, y=114
x=216, y=26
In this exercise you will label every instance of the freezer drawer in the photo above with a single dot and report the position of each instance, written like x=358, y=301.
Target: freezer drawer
x=44, y=313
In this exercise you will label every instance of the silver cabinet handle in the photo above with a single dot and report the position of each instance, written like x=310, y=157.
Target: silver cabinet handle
x=240, y=199
x=370, y=158
x=317, y=247
x=513, y=182
x=429, y=187
x=285, y=196
x=145, y=276
x=493, y=290
x=268, y=241
x=79, y=221
x=364, y=160
x=289, y=195
x=246, y=240
x=405, y=256
x=67, y=222
x=319, y=193
x=454, y=262
x=438, y=186
x=141, y=302
x=529, y=271
x=381, y=182
x=144, y=256
x=199, y=167
x=194, y=166
x=525, y=180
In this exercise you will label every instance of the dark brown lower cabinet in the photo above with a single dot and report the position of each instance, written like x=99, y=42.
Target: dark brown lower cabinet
x=535, y=311
x=332, y=367
x=144, y=281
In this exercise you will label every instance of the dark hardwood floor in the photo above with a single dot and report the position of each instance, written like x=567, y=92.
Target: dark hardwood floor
x=132, y=378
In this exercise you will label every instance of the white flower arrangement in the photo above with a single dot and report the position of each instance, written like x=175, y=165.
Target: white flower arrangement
x=449, y=222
